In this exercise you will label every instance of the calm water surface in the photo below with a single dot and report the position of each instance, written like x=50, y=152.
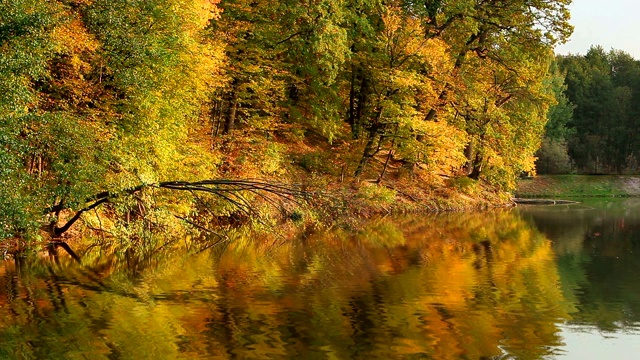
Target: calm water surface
x=597, y=249
x=557, y=282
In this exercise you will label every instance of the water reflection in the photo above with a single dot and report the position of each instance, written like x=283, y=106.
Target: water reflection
x=455, y=286
x=597, y=244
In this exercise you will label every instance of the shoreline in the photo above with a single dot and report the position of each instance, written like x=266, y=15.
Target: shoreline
x=578, y=186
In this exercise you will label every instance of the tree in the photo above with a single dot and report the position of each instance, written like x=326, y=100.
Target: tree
x=604, y=88
x=255, y=87
x=97, y=100
x=495, y=89
x=28, y=45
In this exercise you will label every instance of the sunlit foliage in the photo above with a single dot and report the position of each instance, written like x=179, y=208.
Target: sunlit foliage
x=109, y=95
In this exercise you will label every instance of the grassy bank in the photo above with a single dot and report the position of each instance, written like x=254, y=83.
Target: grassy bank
x=579, y=186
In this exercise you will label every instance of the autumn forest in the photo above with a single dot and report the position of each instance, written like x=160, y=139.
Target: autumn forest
x=127, y=113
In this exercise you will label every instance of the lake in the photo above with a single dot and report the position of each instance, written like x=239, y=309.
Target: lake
x=543, y=282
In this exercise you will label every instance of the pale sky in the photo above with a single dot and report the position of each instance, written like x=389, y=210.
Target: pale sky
x=610, y=23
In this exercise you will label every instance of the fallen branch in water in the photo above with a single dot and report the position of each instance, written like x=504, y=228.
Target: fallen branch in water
x=229, y=190
x=525, y=201
x=54, y=245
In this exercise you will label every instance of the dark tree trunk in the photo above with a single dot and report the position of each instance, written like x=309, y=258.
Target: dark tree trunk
x=230, y=121
x=390, y=154
x=468, y=153
x=351, y=120
x=363, y=98
x=369, y=152
x=366, y=154
x=216, y=120
x=477, y=168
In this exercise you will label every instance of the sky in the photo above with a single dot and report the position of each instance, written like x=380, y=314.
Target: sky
x=614, y=24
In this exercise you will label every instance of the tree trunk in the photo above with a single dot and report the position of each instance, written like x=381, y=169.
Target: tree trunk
x=366, y=154
x=477, y=168
x=230, y=121
x=390, y=154
x=368, y=148
x=351, y=120
x=468, y=153
x=216, y=120
x=360, y=106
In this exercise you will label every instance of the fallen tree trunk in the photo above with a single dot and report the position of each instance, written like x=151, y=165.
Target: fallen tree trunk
x=526, y=201
x=229, y=190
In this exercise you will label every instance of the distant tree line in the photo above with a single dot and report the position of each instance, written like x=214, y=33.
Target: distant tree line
x=595, y=126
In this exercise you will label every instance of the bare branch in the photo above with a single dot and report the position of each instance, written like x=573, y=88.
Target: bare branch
x=227, y=189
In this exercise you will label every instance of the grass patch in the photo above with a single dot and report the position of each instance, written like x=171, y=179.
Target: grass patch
x=579, y=186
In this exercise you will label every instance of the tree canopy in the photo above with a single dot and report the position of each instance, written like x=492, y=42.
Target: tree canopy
x=105, y=96
x=594, y=125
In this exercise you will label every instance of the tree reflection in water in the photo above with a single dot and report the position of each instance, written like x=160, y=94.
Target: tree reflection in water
x=597, y=245
x=450, y=286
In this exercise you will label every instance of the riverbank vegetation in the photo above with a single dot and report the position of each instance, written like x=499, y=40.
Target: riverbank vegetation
x=380, y=105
